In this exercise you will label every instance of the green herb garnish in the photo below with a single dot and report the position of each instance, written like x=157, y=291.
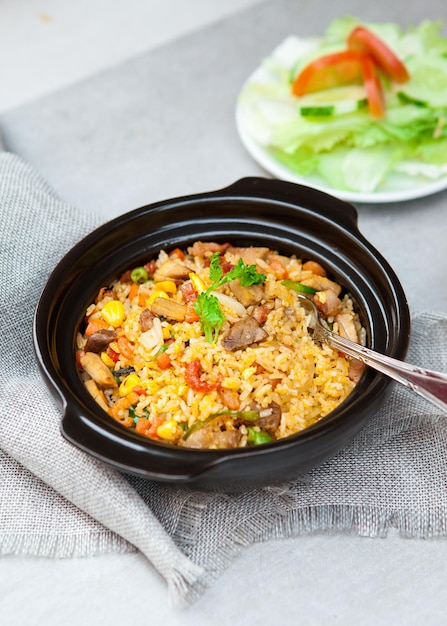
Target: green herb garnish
x=208, y=309
x=246, y=274
x=207, y=306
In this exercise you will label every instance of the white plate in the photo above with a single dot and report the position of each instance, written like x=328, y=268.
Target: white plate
x=395, y=188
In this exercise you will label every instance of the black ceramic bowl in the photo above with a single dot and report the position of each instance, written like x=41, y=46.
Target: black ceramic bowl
x=254, y=211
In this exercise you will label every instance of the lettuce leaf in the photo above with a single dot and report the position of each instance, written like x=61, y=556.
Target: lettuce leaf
x=352, y=151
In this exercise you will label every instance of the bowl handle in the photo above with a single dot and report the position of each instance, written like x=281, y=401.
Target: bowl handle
x=132, y=458
x=327, y=205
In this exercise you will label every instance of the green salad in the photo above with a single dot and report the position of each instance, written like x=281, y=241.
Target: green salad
x=349, y=127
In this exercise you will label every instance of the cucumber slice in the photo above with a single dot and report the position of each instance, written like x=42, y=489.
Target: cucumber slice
x=336, y=101
x=428, y=81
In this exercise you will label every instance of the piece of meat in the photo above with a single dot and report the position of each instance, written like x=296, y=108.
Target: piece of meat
x=201, y=249
x=346, y=326
x=328, y=302
x=314, y=267
x=260, y=313
x=247, y=296
x=270, y=418
x=244, y=333
x=356, y=369
x=146, y=320
x=321, y=283
x=164, y=307
x=99, y=340
x=96, y=393
x=172, y=269
x=96, y=369
x=250, y=255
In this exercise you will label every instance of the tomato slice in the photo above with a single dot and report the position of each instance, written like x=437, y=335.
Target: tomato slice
x=374, y=89
x=330, y=70
x=363, y=40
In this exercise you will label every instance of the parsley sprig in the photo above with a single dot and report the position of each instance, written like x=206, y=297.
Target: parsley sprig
x=207, y=306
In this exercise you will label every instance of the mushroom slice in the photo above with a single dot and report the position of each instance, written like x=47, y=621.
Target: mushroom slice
x=99, y=340
x=211, y=437
x=270, y=418
x=244, y=333
x=94, y=366
x=96, y=393
x=164, y=307
x=247, y=296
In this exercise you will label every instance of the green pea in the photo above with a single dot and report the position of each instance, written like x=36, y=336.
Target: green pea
x=139, y=275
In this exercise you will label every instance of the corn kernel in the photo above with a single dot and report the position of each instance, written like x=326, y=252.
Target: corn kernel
x=156, y=294
x=168, y=431
x=131, y=381
x=166, y=332
x=197, y=282
x=113, y=313
x=168, y=286
x=106, y=359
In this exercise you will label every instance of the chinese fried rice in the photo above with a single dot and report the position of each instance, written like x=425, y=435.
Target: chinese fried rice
x=210, y=347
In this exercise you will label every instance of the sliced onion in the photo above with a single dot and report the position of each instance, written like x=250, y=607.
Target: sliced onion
x=231, y=303
x=152, y=339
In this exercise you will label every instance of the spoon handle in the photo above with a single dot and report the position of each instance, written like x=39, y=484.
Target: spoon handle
x=430, y=385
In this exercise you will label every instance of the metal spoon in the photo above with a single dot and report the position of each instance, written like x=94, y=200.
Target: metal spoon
x=430, y=385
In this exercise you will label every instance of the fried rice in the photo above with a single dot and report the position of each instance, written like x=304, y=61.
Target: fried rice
x=159, y=362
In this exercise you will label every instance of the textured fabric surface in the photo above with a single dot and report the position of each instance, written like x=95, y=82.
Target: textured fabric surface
x=57, y=501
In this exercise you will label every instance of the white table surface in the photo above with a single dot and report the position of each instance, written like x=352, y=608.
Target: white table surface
x=311, y=580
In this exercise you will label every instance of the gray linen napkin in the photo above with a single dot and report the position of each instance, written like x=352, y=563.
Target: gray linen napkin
x=57, y=501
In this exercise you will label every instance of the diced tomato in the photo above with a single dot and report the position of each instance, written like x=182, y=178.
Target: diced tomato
x=363, y=40
x=193, y=380
x=330, y=70
x=374, y=89
x=113, y=355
